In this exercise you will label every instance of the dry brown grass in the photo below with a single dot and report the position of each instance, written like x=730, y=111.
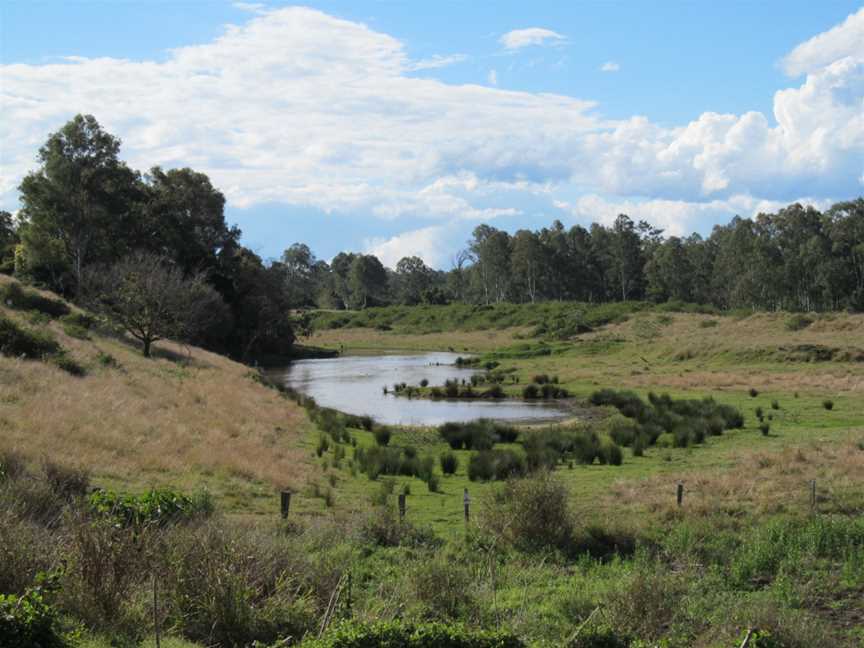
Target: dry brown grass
x=188, y=418
x=757, y=482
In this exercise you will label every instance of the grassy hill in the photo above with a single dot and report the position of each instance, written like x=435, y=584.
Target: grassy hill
x=186, y=418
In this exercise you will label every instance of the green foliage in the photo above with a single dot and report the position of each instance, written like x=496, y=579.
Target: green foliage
x=828, y=404
x=29, y=621
x=382, y=435
x=399, y=634
x=382, y=460
x=156, y=506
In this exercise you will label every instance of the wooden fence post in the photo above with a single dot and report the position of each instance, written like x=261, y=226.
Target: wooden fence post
x=285, y=501
x=813, y=495
x=466, y=500
x=401, y=506
x=680, y=494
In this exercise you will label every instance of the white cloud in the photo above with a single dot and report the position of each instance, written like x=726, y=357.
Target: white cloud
x=846, y=39
x=610, y=66
x=428, y=243
x=492, y=78
x=437, y=61
x=252, y=7
x=298, y=107
x=519, y=38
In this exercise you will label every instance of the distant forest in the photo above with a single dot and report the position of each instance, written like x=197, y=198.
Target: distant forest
x=84, y=207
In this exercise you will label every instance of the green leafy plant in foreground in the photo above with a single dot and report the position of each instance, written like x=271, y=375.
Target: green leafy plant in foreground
x=29, y=620
x=397, y=634
x=155, y=506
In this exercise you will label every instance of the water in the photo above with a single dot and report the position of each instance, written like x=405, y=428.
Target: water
x=353, y=384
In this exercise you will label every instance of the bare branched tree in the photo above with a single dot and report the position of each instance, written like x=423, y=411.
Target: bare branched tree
x=149, y=297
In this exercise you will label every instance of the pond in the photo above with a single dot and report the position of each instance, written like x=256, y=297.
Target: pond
x=353, y=384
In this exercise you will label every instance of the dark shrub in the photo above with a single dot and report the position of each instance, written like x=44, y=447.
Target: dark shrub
x=18, y=341
x=765, y=429
x=828, y=404
x=495, y=464
x=29, y=620
x=449, y=463
x=797, y=322
x=775, y=405
x=495, y=391
x=760, y=413
x=540, y=379
x=610, y=454
x=530, y=392
x=14, y=296
x=424, y=383
x=753, y=392
x=65, y=481
x=382, y=435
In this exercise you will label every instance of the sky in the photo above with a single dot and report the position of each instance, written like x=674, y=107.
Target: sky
x=396, y=127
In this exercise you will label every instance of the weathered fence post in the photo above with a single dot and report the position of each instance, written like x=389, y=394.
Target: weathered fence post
x=680, y=494
x=466, y=500
x=401, y=506
x=285, y=497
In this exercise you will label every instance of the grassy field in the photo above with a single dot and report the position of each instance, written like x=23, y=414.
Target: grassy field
x=595, y=555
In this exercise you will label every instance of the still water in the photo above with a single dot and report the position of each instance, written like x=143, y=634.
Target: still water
x=354, y=384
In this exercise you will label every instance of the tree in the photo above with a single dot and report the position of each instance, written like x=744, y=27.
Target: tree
x=8, y=241
x=528, y=261
x=669, y=273
x=414, y=279
x=366, y=278
x=81, y=195
x=490, y=250
x=300, y=270
x=149, y=297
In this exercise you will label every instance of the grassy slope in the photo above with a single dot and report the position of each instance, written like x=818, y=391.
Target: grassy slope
x=186, y=418
x=678, y=354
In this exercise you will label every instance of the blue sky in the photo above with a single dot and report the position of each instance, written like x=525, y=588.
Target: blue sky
x=396, y=127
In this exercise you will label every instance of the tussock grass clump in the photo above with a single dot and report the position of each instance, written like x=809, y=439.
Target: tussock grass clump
x=497, y=464
x=687, y=421
x=449, y=463
x=828, y=404
x=765, y=428
x=481, y=434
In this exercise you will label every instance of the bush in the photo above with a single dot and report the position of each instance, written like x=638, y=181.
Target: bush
x=775, y=405
x=753, y=392
x=531, y=514
x=14, y=296
x=75, y=331
x=18, y=341
x=382, y=435
x=530, y=392
x=797, y=322
x=28, y=620
x=481, y=434
x=610, y=453
x=828, y=404
x=495, y=464
x=765, y=428
x=399, y=634
x=449, y=463
x=156, y=506
x=66, y=482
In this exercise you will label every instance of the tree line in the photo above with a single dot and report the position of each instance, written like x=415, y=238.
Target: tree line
x=85, y=212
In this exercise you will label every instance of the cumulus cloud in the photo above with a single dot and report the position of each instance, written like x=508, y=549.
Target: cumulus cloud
x=610, y=66
x=846, y=39
x=437, y=61
x=519, y=38
x=428, y=243
x=301, y=108
x=492, y=78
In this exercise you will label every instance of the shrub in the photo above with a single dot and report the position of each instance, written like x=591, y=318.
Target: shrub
x=610, y=453
x=765, y=428
x=828, y=404
x=382, y=435
x=157, y=506
x=75, y=331
x=449, y=463
x=28, y=620
x=530, y=392
x=481, y=434
x=797, y=322
x=433, y=483
x=18, y=341
x=531, y=514
x=775, y=405
x=753, y=392
x=760, y=413
x=65, y=481
x=14, y=296
x=708, y=323
x=67, y=364
x=399, y=634
x=495, y=464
